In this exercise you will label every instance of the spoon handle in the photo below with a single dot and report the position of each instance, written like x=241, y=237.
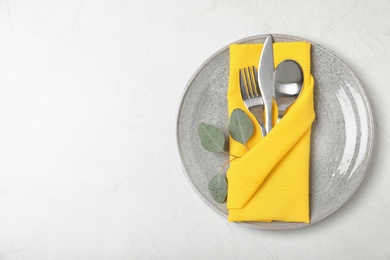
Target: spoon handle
x=280, y=115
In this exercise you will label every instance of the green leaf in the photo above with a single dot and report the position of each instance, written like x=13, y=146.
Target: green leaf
x=241, y=127
x=218, y=188
x=211, y=137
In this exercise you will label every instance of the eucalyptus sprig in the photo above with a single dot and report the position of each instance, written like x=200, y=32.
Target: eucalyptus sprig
x=241, y=129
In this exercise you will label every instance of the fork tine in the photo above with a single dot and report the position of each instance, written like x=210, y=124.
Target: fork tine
x=255, y=85
x=248, y=82
x=256, y=81
x=243, y=87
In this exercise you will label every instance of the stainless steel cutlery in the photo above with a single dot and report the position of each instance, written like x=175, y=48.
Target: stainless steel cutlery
x=266, y=79
x=260, y=87
x=251, y=96
x=288, y=82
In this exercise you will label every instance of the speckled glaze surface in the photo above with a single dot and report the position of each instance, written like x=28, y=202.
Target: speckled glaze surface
x=342, y=133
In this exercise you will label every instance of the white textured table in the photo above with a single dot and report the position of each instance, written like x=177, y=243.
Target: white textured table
x=89, y=92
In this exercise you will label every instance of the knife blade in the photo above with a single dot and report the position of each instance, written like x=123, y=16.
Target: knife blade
x=265, y=77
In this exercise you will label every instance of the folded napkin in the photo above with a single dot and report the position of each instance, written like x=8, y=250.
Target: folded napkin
x=270, y=181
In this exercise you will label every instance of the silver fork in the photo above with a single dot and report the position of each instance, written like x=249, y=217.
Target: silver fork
x=251, y=95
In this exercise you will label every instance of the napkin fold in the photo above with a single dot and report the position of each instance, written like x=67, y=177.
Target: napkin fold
x=270, y=180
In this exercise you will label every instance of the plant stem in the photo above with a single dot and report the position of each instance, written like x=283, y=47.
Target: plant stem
x=235, y=156
x=223, y=166
x=226, y=163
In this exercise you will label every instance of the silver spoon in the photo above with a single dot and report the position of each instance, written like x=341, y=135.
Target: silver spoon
x=288, y=80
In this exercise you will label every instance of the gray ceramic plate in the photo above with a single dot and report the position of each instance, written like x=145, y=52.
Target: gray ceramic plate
x=342, y=135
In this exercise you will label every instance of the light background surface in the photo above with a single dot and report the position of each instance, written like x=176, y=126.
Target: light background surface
x=89, y=92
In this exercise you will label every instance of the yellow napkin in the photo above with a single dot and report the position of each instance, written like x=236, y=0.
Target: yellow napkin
x=271, y=179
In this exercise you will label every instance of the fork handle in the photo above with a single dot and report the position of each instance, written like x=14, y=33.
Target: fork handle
x=257, y=111
x=263, y=131
x=262, y=128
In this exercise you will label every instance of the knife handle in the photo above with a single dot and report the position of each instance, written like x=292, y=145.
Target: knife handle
x=268, y=117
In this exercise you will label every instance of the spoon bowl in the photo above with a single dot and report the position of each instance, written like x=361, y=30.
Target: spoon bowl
x=288, y=80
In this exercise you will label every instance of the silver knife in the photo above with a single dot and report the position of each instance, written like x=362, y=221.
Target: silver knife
x=265, y=77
